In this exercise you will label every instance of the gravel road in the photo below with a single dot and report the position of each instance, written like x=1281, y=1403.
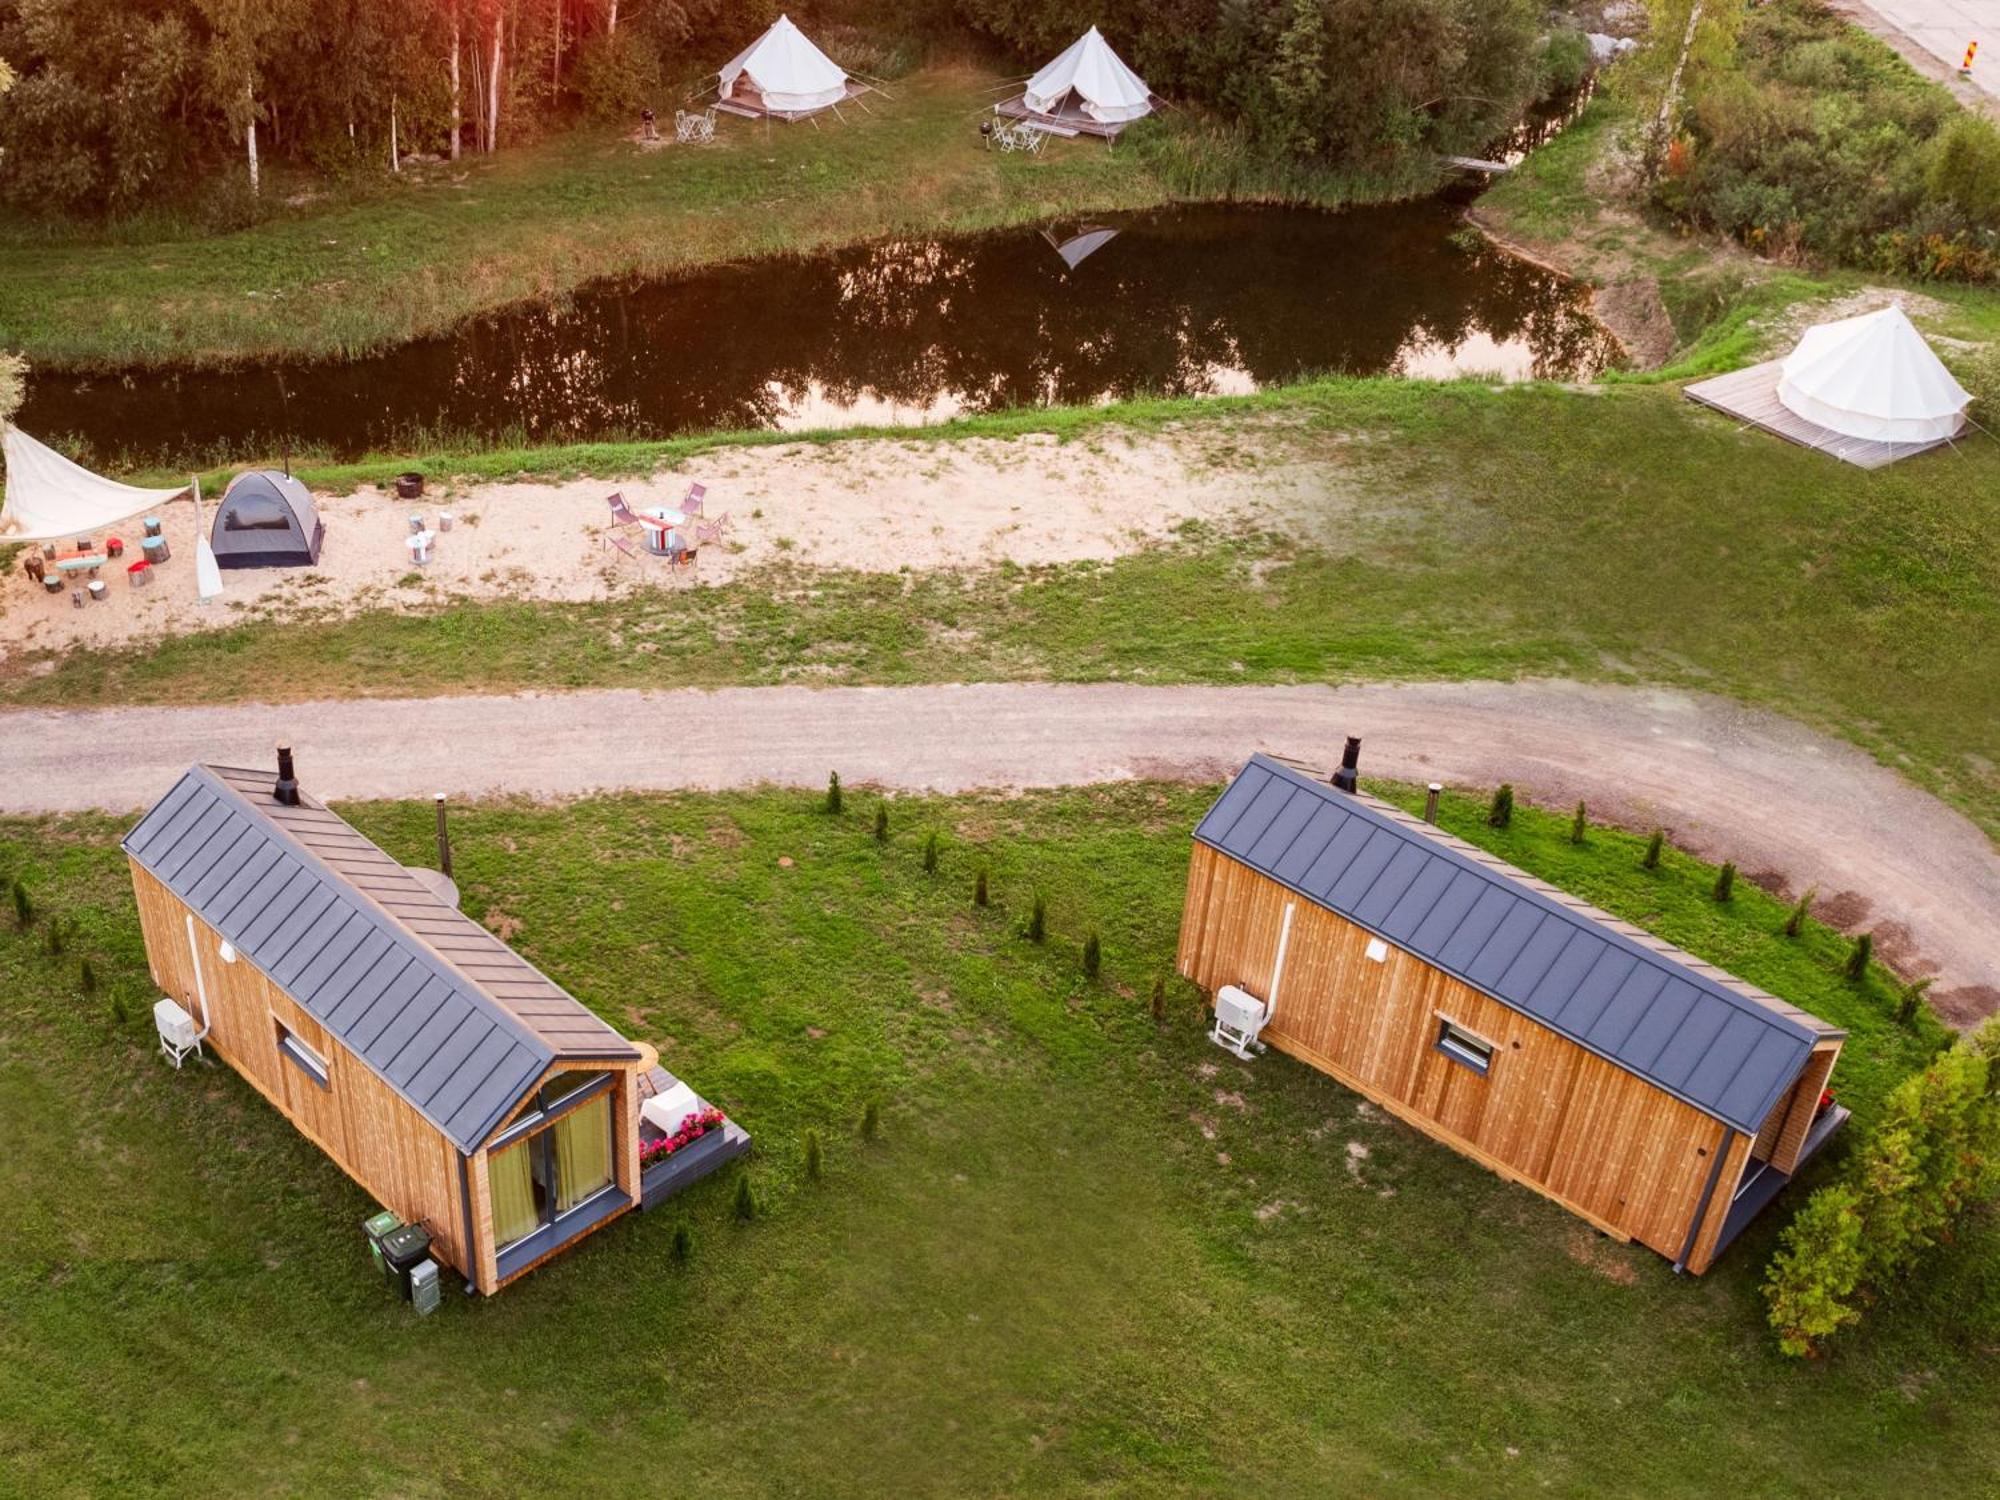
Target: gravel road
x=1791, y=807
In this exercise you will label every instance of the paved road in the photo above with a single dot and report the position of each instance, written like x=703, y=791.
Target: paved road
x=1932, y=34
x=1779, y=799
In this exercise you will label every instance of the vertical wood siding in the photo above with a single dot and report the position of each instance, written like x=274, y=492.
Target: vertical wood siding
x=371, y=1132
x=1604, y=1142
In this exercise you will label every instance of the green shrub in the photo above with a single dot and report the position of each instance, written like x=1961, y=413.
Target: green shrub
x=1093, y=956
x=1858, y=957
x=24, y=907
x=683, y=1243
x=615, y=77
x=1911, y=1000
x=1965, y=167
x=931, y=854
x=1795, y=919
x=881, y=823
x=1816, y=1271
x=1038, y=919
x=1579, y=825
x=1565, y=61
x=86, y=977
x=979, y=895
x=871, y=1121
x=1651, y=859
x=1500, y=811
x=1806, y=140
x=119, y=1014
x=55, y=939
x=833, y=803
x=1159, y=1005
x=746, y=1200
x=815, y=1159
x=1933, y=1155
x=1725, y=881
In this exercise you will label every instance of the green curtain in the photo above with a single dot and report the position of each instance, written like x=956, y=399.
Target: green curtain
x=513, y=1193
x=583, y=1152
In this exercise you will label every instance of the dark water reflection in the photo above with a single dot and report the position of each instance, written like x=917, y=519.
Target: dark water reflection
x=1192, y=301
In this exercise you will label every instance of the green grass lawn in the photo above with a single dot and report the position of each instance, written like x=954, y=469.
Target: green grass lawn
x=1089, y=1255
x=372, y=266
x=1471, y=532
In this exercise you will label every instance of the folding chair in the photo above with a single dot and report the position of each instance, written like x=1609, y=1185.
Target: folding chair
x=613, y=539
x=692, y=505
x=621, y=513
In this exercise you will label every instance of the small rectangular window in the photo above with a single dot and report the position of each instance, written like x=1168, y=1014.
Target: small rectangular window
x=1461, y=1046
x=303, y=1057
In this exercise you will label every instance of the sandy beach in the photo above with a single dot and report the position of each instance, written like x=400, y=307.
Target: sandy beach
x=874, y=506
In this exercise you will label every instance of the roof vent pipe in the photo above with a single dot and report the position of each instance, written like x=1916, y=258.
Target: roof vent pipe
x=1431, y=801
x=287, y=789
x=1347, y=776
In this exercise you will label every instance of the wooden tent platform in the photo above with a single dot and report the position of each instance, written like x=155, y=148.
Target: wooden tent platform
x=750, y=106
x=1067, y=122
x=1751, y=396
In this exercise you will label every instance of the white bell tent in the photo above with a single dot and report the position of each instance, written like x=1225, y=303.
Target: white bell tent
x=1873, y=377
x=1091, y=81
x=783, y=74
x=50, y=498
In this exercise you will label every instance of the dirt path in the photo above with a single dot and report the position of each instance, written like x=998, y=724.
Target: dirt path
x=1790, y=807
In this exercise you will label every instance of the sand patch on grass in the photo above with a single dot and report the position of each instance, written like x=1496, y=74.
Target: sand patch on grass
x=876, y=506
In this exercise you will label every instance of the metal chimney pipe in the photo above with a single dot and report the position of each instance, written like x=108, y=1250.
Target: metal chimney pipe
x=1431, y=802
x=1347, y=777
x=444, y=838
x=287, y=788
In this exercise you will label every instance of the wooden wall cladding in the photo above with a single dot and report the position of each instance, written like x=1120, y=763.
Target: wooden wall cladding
x=369, y=1130
x=1604, y=1142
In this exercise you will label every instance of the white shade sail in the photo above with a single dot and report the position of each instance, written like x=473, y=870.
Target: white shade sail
x=49, y=497
x=1873, y=377
x=792, y=75
x=1105, y=88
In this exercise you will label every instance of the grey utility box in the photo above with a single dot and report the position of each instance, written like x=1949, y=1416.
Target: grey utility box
x=424, y=1292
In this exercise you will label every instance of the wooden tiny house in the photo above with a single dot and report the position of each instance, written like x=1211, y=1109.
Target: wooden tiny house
x=443, y=1072
x=1652, y=1094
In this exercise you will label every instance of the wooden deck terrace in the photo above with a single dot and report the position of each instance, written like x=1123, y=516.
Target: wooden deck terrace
x=1751, y=396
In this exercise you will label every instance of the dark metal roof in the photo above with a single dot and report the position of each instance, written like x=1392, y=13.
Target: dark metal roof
x=427, y=999
x=1701, y=1035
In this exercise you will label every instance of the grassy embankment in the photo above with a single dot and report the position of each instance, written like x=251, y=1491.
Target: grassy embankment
x=375, y=266
x=1470, y=533
x=1083, y=1259
x=1563, y=204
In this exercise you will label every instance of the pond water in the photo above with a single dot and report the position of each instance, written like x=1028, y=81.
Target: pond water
x=1187, y=301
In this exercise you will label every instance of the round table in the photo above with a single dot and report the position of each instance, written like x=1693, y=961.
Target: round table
x=660, y=534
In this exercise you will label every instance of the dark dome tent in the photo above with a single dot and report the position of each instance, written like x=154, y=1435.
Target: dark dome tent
x=266, y=520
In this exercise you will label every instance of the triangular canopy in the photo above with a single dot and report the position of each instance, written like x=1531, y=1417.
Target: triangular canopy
x=1873, y=377
x=48, y=497
x=787, y=70
x=1105, y=88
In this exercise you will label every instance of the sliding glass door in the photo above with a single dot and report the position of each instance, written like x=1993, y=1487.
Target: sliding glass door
x=552, y=1170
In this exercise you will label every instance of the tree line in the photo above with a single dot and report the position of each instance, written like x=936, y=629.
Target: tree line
x=120, y=103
